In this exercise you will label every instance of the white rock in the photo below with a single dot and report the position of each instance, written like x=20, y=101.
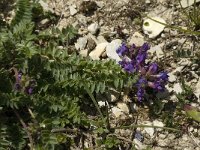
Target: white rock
x=45, y=6
x=158, y=50
x=178, y=69
x=101, y=39
x=93, y=28
x=187, y=3
x=100, y=4
x=111, y=49
x=139, y=145
x=84, y=52
x=159, y=124
x=172, y=77
x=147, y=1
x=117, y=112
x=81, y=43
x=101, y=104
x=149, y=130
x=72, y=10
x=177, y=88
x=197, y=90
x=124, y=108
x=96, y=53
x=137, y=39
x=152, y=28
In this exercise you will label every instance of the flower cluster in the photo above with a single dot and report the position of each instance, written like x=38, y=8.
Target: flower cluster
x=23, y=84
x=133, y=60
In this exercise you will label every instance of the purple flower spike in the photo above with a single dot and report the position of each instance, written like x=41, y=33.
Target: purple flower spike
x=123, y=49
x=140, y=58
x=141, y=82
x=163, y=76
x=133, y=60
x=144, y=48
x=153, y=68
x=140, y=94
x=158, y=86
x=129, y=67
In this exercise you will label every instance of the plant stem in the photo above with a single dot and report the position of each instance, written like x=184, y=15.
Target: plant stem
x=25, y=128
x=96, y=105
x=146, y=126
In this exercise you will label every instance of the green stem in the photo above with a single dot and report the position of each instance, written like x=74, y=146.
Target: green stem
x=146, y=126
x=96, y=105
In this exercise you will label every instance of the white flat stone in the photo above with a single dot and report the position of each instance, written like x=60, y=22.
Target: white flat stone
x=92, y=28
x=117, y=112
x=152, y=28
x=81, y=43
x=97, y=52
x=177, y=88
x=111, y=49
x=159, y=124
x=45, y=6
x=187, y=3
x=137, y=39
x=172, y=77
x=149, y=130
x=124, y=108
x=72, y=10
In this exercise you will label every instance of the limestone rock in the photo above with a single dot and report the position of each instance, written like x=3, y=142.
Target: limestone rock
x=111, y=49
x=81, y=43
x=137, y=39
x=152, y=28
x=96, y=53
x=93, y=28
x=187, y=3
x=72, y=10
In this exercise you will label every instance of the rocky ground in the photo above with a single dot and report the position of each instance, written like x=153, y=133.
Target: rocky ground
x=104, y=24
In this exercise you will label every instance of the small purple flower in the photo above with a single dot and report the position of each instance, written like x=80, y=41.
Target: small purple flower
x=127, y=65
x=163, y=76
x=156, y=85
x=19, y=76
x=144, y=48
x=153, y=68
x=123, y=49
x=140, y=93
x=17, y=86
x=141, y=82
x=29, y=90
x=140, y=58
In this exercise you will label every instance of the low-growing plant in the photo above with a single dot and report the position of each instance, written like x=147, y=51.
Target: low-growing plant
x=44, y=88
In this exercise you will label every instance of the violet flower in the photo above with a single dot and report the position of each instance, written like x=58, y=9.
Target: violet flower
x=133, y=60
x=123, y=49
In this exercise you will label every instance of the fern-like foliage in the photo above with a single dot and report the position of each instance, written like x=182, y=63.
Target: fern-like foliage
x=23, y=12
x=57, y=80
